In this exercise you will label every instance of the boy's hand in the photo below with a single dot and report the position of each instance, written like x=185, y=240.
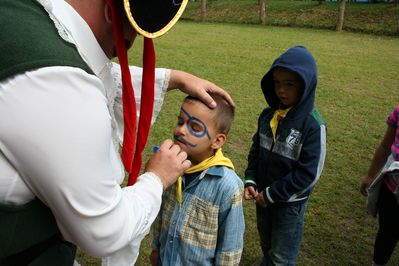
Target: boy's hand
x=154, y=258
x=260, y=200
x=250, y=193
x=168, y=163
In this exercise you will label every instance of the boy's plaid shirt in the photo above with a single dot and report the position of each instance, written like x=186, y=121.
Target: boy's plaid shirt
x=209, y=228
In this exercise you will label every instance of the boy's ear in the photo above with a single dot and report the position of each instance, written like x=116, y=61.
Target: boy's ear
x=218, y=141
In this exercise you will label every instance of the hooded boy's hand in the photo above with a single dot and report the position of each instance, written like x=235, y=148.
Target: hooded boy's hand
x=260, y=200
x=250, y=193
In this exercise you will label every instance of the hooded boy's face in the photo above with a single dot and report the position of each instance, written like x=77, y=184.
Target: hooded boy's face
x=288, y=86
x=195, y=130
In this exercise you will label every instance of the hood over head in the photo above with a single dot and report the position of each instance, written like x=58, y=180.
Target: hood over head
x=299, y=60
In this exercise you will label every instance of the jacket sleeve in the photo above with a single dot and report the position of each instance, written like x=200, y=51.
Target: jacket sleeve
x=250, y=172
x=299, y=182
x=162, y=77
x=231, y=230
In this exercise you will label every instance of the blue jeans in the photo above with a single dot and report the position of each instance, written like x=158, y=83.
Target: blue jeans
x=280, y=229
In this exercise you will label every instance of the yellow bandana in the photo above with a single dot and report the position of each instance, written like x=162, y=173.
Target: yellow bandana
x=217, y=159
x=278, y=115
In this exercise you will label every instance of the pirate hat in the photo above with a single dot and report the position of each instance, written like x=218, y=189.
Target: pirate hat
x=153, y=18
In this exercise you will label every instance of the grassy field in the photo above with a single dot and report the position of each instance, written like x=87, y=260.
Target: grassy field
x=379, y=18
x=358, y=87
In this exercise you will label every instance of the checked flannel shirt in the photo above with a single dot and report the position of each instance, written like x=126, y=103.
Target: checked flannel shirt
x=209, y=228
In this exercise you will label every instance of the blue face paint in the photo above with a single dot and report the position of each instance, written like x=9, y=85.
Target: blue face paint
x=195, y=126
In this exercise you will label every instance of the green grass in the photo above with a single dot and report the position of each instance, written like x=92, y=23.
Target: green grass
x=358, y=86
x=382, y=19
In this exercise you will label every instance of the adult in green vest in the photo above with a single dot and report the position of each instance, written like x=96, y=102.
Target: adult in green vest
x=63, y=117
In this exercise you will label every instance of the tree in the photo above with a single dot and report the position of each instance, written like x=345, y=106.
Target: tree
x=203, y=10
x=262, y=12
x=341, y=15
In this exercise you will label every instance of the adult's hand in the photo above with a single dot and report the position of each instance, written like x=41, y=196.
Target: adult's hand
x=197, y=87
x=168, y=163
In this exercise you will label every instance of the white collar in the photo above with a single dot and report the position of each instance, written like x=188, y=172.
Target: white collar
x=78, y=32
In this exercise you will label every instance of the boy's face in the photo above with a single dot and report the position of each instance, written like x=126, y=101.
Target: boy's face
x=287, y=85
x=195, y=131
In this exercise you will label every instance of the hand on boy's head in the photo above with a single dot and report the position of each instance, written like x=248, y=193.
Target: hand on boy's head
x=198, y=88
x=168, y=163
x=212, y=88
x=205, y=87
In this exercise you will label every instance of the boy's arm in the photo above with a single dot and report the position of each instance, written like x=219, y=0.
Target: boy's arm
x=231, y=230
x=306, y=173
x=155, y=243
x=156, y=229
x=252, y=161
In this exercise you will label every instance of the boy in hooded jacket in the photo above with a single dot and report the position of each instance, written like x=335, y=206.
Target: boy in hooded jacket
x=287, y=155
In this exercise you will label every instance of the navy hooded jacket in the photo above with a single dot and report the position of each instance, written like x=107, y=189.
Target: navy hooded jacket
x=287, y=169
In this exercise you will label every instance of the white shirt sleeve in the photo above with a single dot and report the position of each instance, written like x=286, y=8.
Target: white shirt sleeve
x=56, y=134
x=162, y=77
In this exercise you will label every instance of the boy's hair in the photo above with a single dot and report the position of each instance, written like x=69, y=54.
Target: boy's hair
x=223, y=113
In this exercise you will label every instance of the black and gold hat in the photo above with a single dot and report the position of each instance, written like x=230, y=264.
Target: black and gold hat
x=153, y=18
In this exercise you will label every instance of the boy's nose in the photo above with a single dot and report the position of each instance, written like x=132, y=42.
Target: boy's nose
x=280, y=89
x=180, y=130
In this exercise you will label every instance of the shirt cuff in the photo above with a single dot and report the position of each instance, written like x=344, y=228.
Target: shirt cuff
x=267, y=197
x=153, y=176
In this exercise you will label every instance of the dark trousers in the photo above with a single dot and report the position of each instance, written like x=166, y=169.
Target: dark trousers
x=388, y=231
x=280, y=230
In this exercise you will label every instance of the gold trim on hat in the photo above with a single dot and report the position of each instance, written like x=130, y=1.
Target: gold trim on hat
x=157, y=33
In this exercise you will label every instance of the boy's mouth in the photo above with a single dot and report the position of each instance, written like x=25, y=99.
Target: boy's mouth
x=180, y=140
x=283, y=99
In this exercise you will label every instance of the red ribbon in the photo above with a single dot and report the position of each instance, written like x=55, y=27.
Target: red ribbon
x=131, y=155
x=146, y=107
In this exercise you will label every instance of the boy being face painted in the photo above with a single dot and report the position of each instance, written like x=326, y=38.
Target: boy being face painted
x=200, y=131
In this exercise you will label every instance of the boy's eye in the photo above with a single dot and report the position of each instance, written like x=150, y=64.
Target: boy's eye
x=180, y=121
x=196, y=127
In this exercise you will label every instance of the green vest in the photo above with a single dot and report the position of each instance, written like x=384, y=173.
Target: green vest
x=29, y=40
x=30, y=236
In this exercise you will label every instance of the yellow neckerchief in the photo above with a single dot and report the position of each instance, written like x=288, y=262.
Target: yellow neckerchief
x=277, y=116
x=217, y=159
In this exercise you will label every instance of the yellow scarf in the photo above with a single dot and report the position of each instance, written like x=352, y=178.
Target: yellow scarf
x=217, y=159
x=277, y=116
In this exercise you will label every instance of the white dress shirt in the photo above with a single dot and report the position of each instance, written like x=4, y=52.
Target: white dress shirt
x=60, y=130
